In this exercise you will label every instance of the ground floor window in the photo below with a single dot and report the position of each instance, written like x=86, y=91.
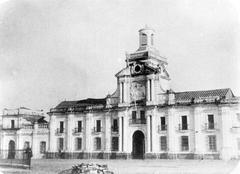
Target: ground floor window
x=114, y=143
x=97, y=143
x=212, y=143
x=60, y=143
x=184, y=143
x=78, y=143
x=42, y=147
x=163, y=143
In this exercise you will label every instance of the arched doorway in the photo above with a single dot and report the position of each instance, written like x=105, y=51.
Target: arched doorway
x=11, y=149
x=138, y=145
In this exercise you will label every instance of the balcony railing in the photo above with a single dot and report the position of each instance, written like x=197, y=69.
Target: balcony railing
x=210, y=126
x=60, y=131
x=97, y=130
x=137, y=121
x=27, y=126
x=10, y=128
x=114, y=129
x=43, y=126
x=162, y=128
x=77, y=130
x=183, y=127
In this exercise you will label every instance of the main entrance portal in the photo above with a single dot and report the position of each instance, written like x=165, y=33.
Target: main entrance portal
x=11, y=150
x=138, y=145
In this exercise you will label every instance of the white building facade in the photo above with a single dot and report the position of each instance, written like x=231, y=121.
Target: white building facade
x=145, y=118
x=21, y=128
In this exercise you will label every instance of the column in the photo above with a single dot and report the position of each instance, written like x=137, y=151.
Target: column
x=171, y=139
x=35, y=143
x=88, y=132
x=126, y=147
x=52, y=137
x=120, y=88
x=155, y=137
x=120, y=133
x=225, y=134
x=148, y=90
x=69, y=129
x=148, y=134
x=199, y=140
x=153, y=90
x=108, y=132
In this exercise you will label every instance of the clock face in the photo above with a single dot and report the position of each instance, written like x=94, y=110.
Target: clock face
x=137, y=91
x=137, y=69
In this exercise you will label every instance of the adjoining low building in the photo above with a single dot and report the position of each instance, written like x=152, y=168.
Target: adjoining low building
x=145, y=118
x=21, y=128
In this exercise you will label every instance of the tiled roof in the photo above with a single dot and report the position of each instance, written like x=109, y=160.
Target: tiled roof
x=81, y=103
x=188, y=95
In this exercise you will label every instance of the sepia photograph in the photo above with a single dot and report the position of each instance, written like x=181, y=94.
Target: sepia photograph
x=119, y=87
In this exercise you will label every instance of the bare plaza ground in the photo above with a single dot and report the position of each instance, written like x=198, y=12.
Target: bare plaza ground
x=49, y=166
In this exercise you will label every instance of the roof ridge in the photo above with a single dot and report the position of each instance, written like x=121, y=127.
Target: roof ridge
x=205, y=90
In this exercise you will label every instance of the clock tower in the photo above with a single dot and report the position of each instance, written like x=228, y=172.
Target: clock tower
x=145, y=78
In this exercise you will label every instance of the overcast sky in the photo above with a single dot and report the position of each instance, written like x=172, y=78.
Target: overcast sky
x=67, y=49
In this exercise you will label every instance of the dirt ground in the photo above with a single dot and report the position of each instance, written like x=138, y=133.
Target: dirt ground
x=49, y=166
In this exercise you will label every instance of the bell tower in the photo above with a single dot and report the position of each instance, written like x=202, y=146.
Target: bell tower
x=146, y=37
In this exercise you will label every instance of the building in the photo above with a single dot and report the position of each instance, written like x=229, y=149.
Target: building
x=21, y=128
x=145, y=118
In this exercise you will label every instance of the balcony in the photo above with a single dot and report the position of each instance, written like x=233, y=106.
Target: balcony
x=59, y=131
x=137, y=121
x=11, y=128
x=97, y=130
x=27, y=126
x=77, y=130
x=210, y=126
x=114, y=130
x=183, y=127
x=162, y=128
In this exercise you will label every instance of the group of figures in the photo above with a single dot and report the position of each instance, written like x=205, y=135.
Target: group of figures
x=84, y=168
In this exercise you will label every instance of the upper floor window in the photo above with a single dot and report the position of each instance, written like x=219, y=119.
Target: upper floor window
x=143, y=39
x=12, y=124
x=184, y=143
x=211, y=121
x=134, y=115
x=142, y=115
x=115, y=125
x=163, y=123
x=61, y=126
x=184, y=125
x=98, y=126
x=79, y=126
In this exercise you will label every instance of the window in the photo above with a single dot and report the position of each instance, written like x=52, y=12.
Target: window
x=184, y=143
x=210, y=122
x=142, y=116
x=98, y=126
x=42, y=147
x=98, y=143
x=212, y=142
x=79, y=126
x=115, y=125
x=78, y=143
x=151, y=39
x=184, y=123
x=12, y=124
x=60, y=143
x=163, y=123
x=143, y=39
x=134, y=115
x=163, y=143
x=61, y=126
x=114, y=143
x=122, y=85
